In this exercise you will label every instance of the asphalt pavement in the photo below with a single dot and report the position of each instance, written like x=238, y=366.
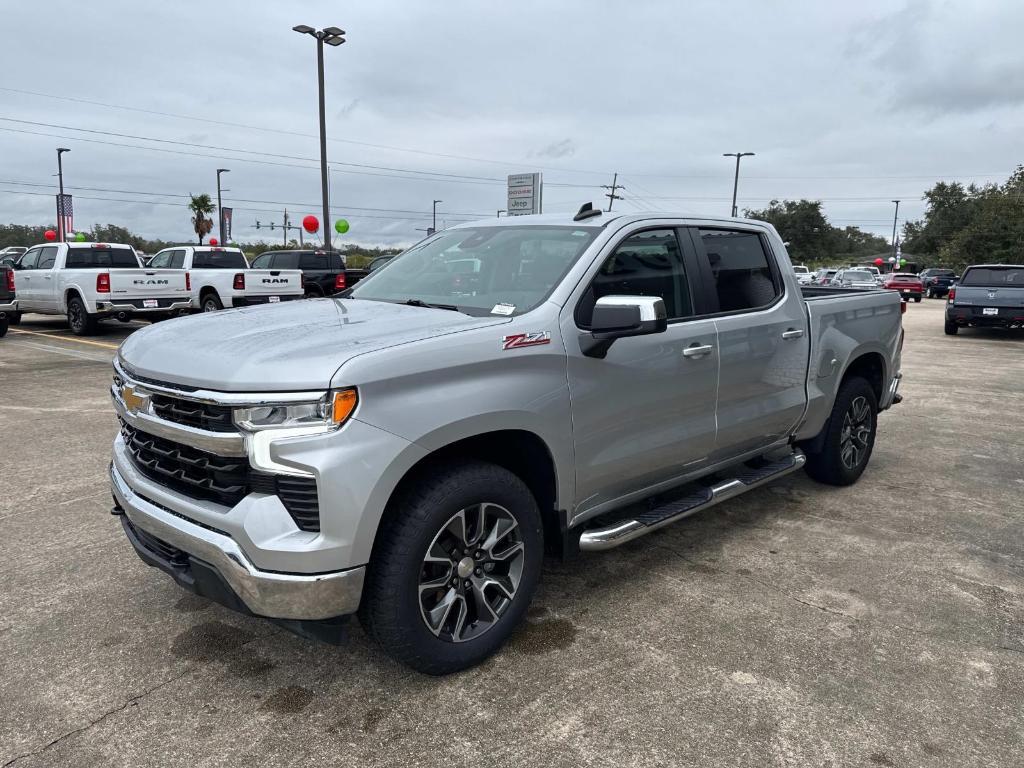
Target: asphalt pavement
x=876, y=625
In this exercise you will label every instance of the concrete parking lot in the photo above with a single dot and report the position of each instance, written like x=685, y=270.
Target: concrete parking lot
x=876, y=625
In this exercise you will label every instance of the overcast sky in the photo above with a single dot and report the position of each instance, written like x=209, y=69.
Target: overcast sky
x=852, y=103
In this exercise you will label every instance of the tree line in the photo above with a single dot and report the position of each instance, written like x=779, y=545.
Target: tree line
x=970, y=224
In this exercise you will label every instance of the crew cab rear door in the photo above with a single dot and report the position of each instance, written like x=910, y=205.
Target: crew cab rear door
x=763, y=340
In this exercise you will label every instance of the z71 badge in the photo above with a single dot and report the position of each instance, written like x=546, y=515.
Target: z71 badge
x=519, y=340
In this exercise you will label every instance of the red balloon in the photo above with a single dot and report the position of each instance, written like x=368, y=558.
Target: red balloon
x=214, y=241
x=879, y=262
x=50, y=235
x=311, y=224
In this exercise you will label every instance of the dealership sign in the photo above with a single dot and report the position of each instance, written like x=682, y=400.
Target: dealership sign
x=525, y=194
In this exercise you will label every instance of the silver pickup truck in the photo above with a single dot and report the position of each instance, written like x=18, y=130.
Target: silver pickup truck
x=536, y=384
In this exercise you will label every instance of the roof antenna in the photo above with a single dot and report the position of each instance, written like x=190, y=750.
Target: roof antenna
x=587, y=211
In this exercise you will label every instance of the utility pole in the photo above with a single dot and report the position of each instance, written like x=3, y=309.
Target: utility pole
x=433, y=224
x=736, y=178
x=894, y=217
x=612, y=197
x=333, y=36
x=220, y=210
x=284, y=227
x=61, y=234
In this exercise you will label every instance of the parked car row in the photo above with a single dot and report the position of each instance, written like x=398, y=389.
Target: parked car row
x=89, y=282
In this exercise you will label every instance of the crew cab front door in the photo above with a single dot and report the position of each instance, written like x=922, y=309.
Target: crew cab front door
x=645, y=413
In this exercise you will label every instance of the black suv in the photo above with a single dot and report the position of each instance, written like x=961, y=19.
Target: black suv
x=323, y=272
x=936, y=281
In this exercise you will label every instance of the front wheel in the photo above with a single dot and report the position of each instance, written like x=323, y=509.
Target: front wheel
x=849, y=436
x=81, y=322
x=455, y=565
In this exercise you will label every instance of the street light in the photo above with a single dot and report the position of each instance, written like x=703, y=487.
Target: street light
x=736, y=179
x=894, y=217
x=333, y=36
x=434, y=224
x=220, y=210
x=61, y=234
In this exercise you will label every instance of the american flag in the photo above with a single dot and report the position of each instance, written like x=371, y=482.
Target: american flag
x=65, y=213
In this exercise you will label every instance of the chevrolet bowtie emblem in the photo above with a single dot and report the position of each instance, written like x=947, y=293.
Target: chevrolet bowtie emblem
x=133, y=401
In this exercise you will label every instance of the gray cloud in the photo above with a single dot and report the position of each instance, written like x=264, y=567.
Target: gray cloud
x=854, y=104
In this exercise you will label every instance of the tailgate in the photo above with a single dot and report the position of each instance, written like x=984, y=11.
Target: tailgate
x=982, y=296
x=147, y=283
x=273, y=282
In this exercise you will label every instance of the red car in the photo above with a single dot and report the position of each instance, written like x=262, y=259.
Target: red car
x=909, y=286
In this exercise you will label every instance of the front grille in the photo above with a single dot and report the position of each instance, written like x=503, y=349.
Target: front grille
x=213, y=418
x=223, y=479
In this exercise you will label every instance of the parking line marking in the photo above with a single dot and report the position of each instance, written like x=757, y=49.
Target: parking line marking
x=66, y=338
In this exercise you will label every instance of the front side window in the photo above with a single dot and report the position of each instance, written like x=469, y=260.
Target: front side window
x=161, y=261
x=742, y=274
x=644, y=264
x=30, y=259
x=482, y=270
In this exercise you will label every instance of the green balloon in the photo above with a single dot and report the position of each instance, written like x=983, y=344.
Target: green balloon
x=341, y=226
x=903, y=262
x=80, y=237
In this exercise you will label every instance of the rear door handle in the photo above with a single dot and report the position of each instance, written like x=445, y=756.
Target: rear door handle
x=793, y=333
x=697, y=350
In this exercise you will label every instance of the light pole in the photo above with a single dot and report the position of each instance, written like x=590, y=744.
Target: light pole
x=894, y=217
x=334, y=37
x=220, y=210
x=433, y=225
x=736, y=179
x=61, y=234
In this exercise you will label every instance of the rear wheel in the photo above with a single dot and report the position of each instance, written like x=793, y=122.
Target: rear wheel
x=849, y=436
x=81, y=322
x=951, y=328
x=212, y=303
x=454, y=568
x=917, y=299
x=3, y=326
x=14, y=318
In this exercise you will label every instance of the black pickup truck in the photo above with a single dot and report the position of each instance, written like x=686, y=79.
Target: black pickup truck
x=324, y=273
x=6, y=298
x=936, y=281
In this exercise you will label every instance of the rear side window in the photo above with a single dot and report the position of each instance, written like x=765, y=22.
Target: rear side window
x=742, y=274
x=1011, y=277
x=313, y=261
x=644, y=264
x=219, y=260
x=286, y=261
x=88, y=257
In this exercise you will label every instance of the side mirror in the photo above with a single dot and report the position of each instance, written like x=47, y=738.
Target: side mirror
x=617, y=317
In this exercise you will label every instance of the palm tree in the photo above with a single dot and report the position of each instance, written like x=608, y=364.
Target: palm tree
x=202, y=208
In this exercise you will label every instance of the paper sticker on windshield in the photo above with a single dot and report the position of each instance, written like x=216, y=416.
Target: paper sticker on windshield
x=520, y=340
x=503, y=309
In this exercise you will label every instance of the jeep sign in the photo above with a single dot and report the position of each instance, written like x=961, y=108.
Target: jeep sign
x=525, y=194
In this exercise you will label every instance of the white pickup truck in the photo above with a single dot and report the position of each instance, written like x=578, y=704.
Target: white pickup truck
x=220, y=277
x=88, y=282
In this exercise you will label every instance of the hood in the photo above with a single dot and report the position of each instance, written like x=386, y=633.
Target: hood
x=294, y=345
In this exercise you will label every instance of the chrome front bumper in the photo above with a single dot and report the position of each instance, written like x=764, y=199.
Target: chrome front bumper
x=265, y=593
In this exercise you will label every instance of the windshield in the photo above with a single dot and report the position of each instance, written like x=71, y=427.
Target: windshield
x=90, y=257
x=1011, y=277
x=859, y=276
x=502, y=270
x=800, y=270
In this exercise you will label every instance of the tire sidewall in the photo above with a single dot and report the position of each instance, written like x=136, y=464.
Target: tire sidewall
x=213, y=302
x=83, y=327
x=499, y=487
x=849, y=392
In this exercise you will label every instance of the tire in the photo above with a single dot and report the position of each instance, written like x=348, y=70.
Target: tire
x=211, y=303
x=14, y=318
x=952, y=329
x=833, y=465
x=81, y=322
x=928, y=294
x=413, y=625
x=3, y=326
x=917, y=299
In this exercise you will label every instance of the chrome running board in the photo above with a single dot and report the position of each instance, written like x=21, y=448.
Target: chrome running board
x=608, y=537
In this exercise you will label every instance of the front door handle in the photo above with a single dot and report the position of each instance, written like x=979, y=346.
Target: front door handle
x=793, y=333
x=697, y=350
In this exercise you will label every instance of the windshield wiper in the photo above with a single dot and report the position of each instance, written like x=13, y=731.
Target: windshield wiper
x=421, y=303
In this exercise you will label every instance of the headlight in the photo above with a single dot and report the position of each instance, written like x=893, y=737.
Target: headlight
x=329, y=412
